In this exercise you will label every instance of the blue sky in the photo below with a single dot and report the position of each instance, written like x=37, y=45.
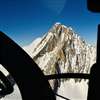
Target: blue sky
x=25, y=20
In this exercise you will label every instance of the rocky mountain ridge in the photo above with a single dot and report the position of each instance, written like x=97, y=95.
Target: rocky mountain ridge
x=61, y=48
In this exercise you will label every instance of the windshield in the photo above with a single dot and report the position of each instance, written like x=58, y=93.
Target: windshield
x=59, y=35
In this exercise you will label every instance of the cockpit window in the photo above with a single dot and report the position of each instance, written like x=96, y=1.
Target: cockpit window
x=59, y=35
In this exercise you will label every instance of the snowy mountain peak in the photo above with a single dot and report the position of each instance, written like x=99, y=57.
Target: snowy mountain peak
x=61, y=50
x=57, y=23
x=59, y=28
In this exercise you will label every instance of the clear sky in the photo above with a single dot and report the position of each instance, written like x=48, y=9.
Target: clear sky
x=25, y=20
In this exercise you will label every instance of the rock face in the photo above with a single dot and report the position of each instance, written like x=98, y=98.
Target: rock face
x=61, y=50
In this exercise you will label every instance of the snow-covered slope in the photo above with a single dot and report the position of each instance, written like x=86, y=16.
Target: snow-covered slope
x=61, y=50
x=73, y=91
x=30, y=48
